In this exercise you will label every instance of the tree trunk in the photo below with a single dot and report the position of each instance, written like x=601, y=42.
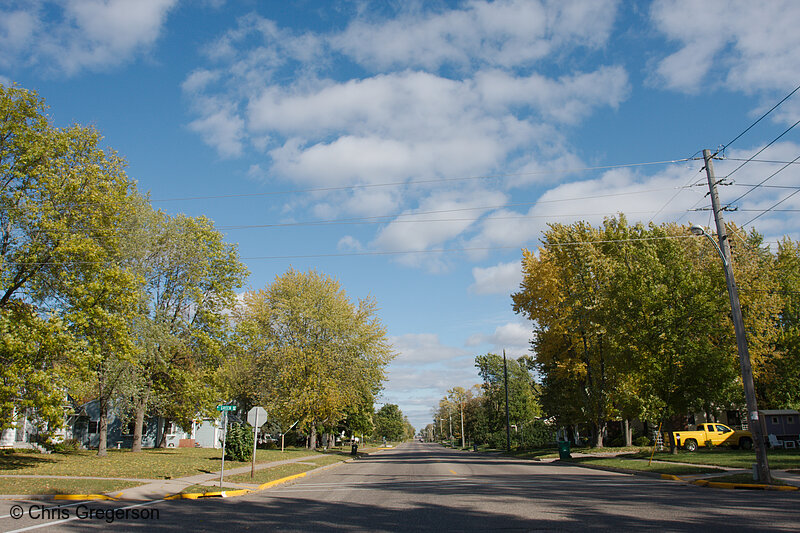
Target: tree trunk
x=599, y=429
x=626, y=429
x=163, y=440
x=102, y=428
x=138, y=424
x=312, y=443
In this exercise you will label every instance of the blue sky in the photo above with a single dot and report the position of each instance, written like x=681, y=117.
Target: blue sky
x=407, y=128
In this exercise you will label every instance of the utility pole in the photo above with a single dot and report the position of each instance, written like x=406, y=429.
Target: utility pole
x=508, y=422
x=463, y=444
x=754, y=424
x=450, y=422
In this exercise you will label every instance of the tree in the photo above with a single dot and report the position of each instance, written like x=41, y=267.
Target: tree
x=191, y=276
x=65, y=206
x=390, y=423
x=632, y=321
x=779, y=386
x=315, y=354
x=523, y=404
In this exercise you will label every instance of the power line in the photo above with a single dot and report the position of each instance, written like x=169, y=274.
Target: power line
x=784, y=167
x=748, y=128
x=415, y=221
x=773, y=141
x=387, y=218
x=771, y=208
x=422, y=181
x=401, y=252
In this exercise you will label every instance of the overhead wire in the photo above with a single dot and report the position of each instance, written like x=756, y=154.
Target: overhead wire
x=404, y=252
x=771, y=208
x=754, y=187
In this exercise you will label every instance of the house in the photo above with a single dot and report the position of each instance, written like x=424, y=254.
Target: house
x=783, y=423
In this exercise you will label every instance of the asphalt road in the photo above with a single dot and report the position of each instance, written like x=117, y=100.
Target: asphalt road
x=423, y=487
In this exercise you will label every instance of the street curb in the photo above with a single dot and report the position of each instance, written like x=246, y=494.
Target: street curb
x=745, y=486
x=671, y=477
x=241, y=492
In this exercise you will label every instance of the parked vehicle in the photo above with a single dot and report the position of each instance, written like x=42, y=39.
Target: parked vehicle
x=715, y=434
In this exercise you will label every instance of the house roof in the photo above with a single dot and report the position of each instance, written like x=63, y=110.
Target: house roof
x=773, y=412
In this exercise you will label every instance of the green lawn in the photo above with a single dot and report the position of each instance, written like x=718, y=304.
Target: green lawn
x=61, y=486
x=778, y=459
x=149, y=464
x=641, y=465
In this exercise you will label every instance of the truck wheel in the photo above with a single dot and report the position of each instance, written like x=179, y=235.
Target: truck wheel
x=690, y=445
x=746, y=443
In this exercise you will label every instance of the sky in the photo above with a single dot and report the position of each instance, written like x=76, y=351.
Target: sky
x=412, y=149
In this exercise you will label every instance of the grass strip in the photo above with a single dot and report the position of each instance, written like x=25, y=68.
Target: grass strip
x=744, y=459
x=149, y=464
x=62, y=486
x=271, y=474
x=638, y=465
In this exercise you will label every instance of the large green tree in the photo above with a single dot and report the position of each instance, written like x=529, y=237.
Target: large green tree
x=633, y=321
x=390, y=423
x=313, y=354
x=191, y=276
x=65, y=210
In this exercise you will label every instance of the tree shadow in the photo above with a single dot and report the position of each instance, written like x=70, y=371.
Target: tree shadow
x=14, y=460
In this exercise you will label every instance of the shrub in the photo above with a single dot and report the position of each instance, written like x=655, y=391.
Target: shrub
x=641, y=441
x=66, y=446
x=239, y=442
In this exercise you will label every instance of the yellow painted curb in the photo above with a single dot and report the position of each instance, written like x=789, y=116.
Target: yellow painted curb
x=670, y=477
x=217, y=494
x=83, y=497
x=269, y=484
x=721, y=485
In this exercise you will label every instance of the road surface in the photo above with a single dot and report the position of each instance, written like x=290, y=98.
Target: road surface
x=424, y=487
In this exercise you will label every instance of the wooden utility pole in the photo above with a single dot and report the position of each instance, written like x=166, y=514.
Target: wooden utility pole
x=753, y=423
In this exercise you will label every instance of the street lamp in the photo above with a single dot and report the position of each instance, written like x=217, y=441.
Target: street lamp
x=700, y=230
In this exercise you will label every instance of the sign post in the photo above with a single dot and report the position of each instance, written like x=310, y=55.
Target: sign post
x=224, y=410
x=256, y=418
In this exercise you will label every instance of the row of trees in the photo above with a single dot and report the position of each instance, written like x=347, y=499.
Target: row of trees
x=478, y=414
x=632, y=322
x=103, y=297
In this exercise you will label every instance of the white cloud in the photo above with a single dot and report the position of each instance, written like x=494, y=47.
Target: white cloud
x=505, y=33
x=423, y=348
x=456, y=212
x=441, y=94
x=503, y=278
x=749, y=46
x=423, y=372
x=349, y=243
x=514, y=337
x=221, y=127
x=74, y=35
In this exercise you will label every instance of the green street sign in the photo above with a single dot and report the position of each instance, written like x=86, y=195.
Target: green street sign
x=226, y=408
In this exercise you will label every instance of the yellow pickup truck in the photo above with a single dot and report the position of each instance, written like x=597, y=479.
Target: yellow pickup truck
x=717, y=434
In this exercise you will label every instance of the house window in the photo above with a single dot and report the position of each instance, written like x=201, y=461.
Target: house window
x=790, y=420
x=775, y=420
x=92, y=426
